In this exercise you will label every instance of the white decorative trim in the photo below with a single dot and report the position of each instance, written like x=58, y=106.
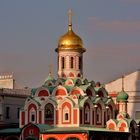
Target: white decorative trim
x=32, y=112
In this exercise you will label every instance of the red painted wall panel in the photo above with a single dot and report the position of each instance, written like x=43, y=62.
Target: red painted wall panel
x=23, y=118
x=75, y=116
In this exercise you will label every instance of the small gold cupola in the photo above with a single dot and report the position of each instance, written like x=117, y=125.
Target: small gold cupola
x=70, y=41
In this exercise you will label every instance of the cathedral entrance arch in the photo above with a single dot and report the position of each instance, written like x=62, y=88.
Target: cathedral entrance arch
x=49, y=114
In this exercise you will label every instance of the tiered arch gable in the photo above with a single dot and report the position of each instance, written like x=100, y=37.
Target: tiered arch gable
x=111, y=124
x=77, y=90
x=29, y=101
x=42, y=92
x=32, y=113
x=67, y=99
x=122, y=115
x=99, y=101
x=84, y=101
x=69, y=82
x=101, y=92
x=110, y=102
x=71, y=74
x=90, y=91
x=49, y=83
x=123, y=125
x=51, y=101
x=60, y=91
x=59, y=81
x=66, y=111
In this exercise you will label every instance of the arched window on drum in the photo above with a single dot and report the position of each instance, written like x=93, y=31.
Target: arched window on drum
x=63, y=62
x=71, y=62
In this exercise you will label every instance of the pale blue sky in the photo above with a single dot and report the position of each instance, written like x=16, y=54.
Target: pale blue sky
x=30, y=29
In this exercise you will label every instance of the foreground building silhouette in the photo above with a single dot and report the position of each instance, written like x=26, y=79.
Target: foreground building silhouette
x=12, y=98
x=71, y=107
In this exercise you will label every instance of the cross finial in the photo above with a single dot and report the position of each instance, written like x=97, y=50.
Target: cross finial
x=70, y=19
x=123, y=83
x=50, y=69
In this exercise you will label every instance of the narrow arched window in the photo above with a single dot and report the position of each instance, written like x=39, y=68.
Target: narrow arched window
x=87, y=113
x=71, y=62
x=80, y=62
x=109, y=113
x=49, y=113
x=32, y=117
x=63, y=62
x=66, y=116
x=98, y=115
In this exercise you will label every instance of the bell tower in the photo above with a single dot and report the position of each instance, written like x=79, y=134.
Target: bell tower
x=70, y=53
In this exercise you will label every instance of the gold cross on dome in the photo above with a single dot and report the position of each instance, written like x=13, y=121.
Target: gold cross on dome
x=70, y=16
x=50, y=68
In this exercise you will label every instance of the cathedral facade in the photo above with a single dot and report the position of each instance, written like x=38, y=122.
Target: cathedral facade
x=71, y=107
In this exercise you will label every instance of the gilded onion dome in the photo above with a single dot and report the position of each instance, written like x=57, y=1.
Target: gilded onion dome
x=70, y=41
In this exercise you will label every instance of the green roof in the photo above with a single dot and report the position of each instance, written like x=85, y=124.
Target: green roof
x=97, y=89
x=51, y=88
x=108, y=101
x=36, y=100
x=62, y=130
x=43, y=127
x=33, y=91
x=10, y=131
x=50, y=78
x=82, y=101
x=96, y=100
x=84, y=87
x=122, y=96
x=68, y=88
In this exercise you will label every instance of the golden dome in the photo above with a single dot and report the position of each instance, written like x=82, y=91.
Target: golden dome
x=70, y=41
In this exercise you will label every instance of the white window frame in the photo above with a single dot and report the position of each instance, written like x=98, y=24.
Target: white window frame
x=32, y=112
x=66, y=110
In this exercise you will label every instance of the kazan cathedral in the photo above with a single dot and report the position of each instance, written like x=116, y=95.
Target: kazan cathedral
x=71, y=107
